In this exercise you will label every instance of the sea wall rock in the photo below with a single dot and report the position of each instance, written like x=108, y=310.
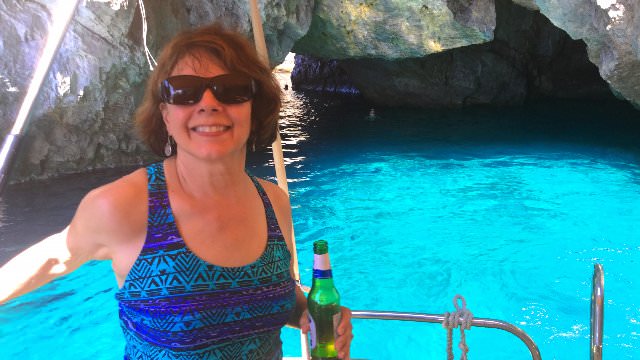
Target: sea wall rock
x=82, y=118
x=395, y=29
x=611, y=30
x=328, y=76
x=524, y=56
x=529, y=57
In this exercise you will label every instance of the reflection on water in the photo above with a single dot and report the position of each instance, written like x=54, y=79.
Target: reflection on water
x=294, y=119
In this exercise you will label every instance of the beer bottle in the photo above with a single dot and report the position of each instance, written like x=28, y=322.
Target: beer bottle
x=323, y=305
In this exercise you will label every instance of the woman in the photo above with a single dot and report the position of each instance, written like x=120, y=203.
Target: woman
x=200, y=249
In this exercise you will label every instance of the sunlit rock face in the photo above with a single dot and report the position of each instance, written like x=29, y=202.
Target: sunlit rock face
x=611, y=30
x=395, y=29
x=528, y=58
x=82, y=118
x=538, y=48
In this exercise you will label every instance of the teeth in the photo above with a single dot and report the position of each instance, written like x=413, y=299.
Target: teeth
x=210, y=128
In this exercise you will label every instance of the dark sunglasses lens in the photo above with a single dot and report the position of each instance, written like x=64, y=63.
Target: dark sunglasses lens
x=188, y=89
x=232, y=88
x=183, y=90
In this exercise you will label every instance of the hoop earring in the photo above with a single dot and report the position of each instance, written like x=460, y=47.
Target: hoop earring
x=168, y=148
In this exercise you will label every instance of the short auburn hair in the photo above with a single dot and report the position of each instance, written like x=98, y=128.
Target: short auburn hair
x=237, y=55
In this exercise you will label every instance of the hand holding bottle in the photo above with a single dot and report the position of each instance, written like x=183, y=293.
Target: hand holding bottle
x=344, y=330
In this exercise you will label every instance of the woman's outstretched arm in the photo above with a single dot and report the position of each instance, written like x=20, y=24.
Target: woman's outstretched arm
x=36, y=266
x=103, y=218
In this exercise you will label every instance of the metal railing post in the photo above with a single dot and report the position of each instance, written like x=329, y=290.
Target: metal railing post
x=597, y=312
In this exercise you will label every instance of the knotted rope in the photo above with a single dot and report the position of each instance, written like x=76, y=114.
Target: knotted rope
x=461, y=317
x=152, y=62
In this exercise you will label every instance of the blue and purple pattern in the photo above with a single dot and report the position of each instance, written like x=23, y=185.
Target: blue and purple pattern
x=174, y=305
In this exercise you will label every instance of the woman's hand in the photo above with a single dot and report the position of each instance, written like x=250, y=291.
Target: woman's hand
x=345, y=335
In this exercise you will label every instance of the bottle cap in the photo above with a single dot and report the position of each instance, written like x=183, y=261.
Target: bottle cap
x=320, y=247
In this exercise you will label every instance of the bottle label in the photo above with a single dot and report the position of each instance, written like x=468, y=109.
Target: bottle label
x=322, y=274
x=312, y=332
x=336, y=318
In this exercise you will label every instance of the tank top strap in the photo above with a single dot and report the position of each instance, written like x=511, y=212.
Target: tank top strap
x=272, y=221
x=160, y=217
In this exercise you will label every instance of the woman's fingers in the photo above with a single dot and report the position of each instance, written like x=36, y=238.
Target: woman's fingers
x=304, y=322
x=345, y=335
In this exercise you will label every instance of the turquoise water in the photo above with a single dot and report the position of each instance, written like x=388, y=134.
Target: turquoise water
x=509, y=207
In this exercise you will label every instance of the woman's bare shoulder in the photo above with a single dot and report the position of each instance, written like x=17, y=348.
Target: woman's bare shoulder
x=129, y=184
x=278, y=197
x=118, y=195
x=114, y=211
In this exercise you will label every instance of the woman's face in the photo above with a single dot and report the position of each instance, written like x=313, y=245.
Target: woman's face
x=208, y=129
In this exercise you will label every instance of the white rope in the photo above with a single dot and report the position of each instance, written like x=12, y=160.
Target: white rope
x=152, y=62
x=463, y=318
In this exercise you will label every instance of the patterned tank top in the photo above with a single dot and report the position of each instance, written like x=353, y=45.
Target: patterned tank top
x=174, y=305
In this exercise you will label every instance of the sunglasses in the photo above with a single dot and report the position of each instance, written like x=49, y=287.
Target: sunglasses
x=188, y=89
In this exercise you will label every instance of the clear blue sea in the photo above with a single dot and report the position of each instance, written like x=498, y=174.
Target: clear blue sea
x=509, y=207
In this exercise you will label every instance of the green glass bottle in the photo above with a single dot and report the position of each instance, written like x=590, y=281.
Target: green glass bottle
x=324, y=306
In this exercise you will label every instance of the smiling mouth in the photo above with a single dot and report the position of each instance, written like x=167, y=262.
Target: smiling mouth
x=210, y=128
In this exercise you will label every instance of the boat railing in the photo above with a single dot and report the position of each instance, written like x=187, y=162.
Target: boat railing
x=433, y=318
x=597, y=312
x=597, y=319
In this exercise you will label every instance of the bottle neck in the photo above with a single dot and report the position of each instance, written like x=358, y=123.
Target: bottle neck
x=322, y=283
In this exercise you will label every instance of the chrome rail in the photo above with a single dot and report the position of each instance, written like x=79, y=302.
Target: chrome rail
x=431, y=318
x=597, y=312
